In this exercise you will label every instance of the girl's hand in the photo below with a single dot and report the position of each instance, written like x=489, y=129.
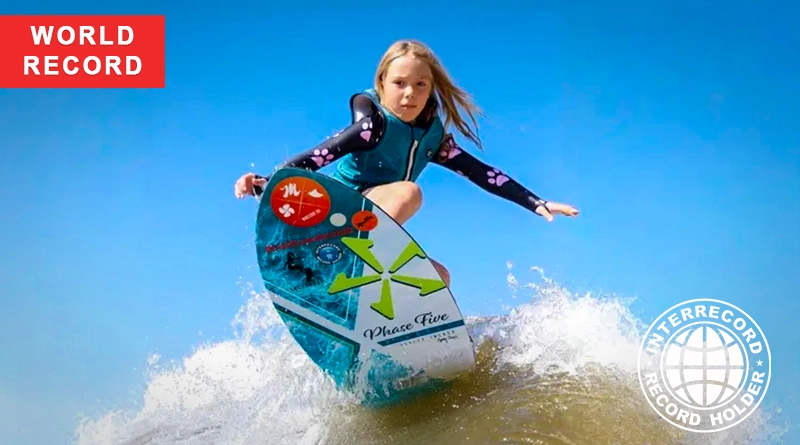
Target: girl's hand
x=555, y=208
x=246, y=185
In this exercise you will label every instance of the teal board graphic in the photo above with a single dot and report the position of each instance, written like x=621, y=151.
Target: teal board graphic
x=356, y=292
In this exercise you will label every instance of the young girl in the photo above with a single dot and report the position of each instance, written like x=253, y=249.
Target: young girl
x=396, y=132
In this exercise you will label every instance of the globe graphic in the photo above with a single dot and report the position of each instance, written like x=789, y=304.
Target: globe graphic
x=704, y=365
x=328, y=253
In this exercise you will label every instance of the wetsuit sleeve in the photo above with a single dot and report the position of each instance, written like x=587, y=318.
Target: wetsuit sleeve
x=367, y=127
x=454, y=158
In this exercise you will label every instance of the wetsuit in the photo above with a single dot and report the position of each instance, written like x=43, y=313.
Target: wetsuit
x=377, y=148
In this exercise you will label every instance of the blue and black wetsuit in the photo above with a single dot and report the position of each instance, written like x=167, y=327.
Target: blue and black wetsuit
x=377, y=148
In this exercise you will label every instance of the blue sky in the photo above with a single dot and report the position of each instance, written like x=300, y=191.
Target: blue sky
x=672, y=128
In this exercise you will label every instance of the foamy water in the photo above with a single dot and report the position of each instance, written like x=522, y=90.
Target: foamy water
x=558, y=369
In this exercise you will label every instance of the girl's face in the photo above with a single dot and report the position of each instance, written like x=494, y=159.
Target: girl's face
x=407, y=85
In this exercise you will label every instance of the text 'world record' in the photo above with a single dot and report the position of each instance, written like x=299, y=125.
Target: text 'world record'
x=82, y=51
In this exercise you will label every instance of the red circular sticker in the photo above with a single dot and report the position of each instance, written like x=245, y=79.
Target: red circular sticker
x=300, y=202
x=364, y=220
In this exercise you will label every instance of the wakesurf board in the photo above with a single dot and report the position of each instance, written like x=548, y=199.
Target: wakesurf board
x=356, y=291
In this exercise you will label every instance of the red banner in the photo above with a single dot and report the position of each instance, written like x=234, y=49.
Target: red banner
x=91, y=51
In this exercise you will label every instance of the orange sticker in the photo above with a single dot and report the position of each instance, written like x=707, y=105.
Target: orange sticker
x=300, y=202
x=364, y=220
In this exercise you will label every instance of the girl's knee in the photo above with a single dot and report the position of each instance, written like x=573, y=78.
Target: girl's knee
x=401, y=200
x=409, y=192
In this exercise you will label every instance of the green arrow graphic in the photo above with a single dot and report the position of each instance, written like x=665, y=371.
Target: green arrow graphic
x=411, y=250
x=361, y=248
x=426, y=286
x=342, y=283
x=384, y=306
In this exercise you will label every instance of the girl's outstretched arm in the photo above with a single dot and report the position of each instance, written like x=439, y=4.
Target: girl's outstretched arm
x=352, y=139
x=453, y=157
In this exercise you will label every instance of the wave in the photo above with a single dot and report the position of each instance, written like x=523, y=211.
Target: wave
x=557, y=368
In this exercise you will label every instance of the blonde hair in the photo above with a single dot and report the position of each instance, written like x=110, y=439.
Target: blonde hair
x=449, y=95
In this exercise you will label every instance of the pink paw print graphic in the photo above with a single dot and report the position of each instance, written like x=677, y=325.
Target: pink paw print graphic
x=366, y=132
x=496, y=177
x=322, y=157
x=449, y=152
